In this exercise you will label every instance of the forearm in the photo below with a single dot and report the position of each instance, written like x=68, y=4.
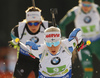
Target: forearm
x=76, y=38
x=36, y=50
x=14, y=33
x=14, y=36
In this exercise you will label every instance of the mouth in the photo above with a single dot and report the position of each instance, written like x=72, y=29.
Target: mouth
x=53, y=51
x=33, y=29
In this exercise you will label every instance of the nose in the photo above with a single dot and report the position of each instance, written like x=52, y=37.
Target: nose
x=53, y=47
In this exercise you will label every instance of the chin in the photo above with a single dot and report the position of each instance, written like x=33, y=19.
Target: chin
x=53, y=54
x=33, y=31
x=86, y=11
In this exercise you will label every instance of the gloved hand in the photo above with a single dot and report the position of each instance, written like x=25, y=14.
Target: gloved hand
x=80, y=45
x=13, y=43
x=16, y=41
x=77, y=34
x=33, y=45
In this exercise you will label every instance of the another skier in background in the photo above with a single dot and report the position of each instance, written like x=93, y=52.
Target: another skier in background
x=31, y=29
x=87, y=17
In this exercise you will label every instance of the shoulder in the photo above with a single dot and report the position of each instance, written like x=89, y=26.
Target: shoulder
x=64, y=42
x=73, y=11
x=43, y=46
x=97, y=7
x=21, y=28
x=45, y=23
x=67, y=46
x=76, y=9
x=21, y=25
x=68, y=43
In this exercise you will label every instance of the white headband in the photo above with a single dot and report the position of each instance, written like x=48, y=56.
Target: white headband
x=33, y=16
x=52, y=36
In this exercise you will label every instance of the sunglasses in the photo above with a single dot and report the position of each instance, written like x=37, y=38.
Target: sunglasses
x=33, y=23
x=86, y=5
x=53, y=43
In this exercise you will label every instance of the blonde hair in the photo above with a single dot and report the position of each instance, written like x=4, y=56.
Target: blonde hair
x=52, y=29
x=80, y=1
x=33, y=9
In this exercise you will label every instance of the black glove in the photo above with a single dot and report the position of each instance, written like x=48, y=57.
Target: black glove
x=80, y=45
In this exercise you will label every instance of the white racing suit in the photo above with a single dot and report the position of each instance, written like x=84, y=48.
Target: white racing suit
x=59, y=65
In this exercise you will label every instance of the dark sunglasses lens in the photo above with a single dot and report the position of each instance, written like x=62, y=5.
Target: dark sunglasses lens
x=29, y=23
x=86, y=5
x=36, y=23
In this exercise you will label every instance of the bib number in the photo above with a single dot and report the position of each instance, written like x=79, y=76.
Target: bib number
x=87, y=29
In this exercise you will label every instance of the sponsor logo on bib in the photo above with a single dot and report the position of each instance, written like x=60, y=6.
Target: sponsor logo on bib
x=55, y=60
x=87, y=19
x=35, y=39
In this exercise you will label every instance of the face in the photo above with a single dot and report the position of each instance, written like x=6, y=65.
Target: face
x=54, y=49
x=86, y=6
x=34, y=26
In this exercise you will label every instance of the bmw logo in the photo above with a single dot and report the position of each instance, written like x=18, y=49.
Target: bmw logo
x=35, y=39
x=55, y=60
x=87, y=19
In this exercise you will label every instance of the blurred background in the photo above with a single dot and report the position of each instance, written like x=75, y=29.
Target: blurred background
x=13, y=11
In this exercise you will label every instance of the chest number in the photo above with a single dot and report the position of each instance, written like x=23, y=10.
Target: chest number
x=87, y=29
